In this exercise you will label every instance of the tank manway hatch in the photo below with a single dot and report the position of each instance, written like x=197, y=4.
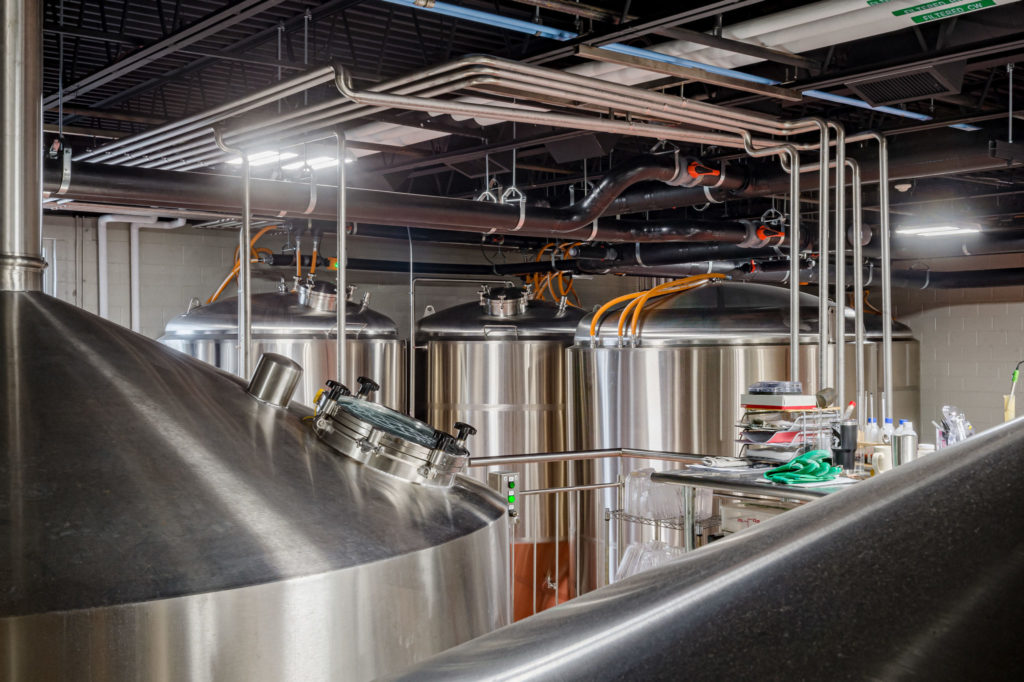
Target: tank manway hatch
x=387, y=440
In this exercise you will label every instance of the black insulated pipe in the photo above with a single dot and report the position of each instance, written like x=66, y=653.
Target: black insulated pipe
x=939, y=152
x=270, y=198
x=424, y=267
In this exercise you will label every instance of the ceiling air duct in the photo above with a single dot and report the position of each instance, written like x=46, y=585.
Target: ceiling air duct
x=908, y=86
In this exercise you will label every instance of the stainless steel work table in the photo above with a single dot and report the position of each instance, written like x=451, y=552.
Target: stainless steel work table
x=745, y=484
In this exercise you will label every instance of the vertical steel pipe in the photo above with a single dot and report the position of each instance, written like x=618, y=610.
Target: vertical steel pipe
x=794, y=266
x=840, y=309
x=883, y=199
x=21, y=244
x=244, y=264
x=342, y=255
x=823, y=251
x=858, y=289
x=789, y=152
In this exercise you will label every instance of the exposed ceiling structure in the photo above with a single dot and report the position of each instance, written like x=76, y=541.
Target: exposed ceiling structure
x=930, y=77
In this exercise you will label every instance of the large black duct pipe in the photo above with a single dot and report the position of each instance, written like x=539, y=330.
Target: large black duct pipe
x=903, y=279
x=914, y=574
x=148, y=187
x=941, y=152
x=428, y=268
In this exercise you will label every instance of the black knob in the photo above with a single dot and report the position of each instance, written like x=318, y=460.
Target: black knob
x=366, y=387
x=336, y=389
x=443, y=441
x=463, y=431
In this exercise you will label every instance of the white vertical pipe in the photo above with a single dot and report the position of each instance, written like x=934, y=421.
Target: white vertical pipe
x=101, y=265
x=135, y=279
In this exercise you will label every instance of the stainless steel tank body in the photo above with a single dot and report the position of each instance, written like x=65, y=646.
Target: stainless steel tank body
x=679, y=388
x=303, y=328
x=160, y=523
x=499, y=364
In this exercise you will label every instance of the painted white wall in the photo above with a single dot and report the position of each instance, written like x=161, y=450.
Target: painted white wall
x=971, y=339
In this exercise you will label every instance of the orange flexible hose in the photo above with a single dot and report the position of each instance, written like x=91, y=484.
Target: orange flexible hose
x=603, y=309
x=227, y=280
x=695, y=279
x=259, y=234
x=312, y=264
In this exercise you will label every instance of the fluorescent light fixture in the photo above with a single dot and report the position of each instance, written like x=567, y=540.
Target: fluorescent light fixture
x=936, y=230
x=264, y=158
x=965, y=126
x=316, y=163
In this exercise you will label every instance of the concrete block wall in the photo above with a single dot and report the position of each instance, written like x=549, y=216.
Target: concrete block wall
x=971, y=339
x=176, y=265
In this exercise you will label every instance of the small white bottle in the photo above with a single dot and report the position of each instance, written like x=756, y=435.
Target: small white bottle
x=888, y=431
x=871, y=432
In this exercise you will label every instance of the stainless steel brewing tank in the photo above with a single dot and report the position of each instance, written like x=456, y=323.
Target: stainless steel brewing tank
x=301, y=326
x=160, y=523
x=499, y=364
x=679, y=389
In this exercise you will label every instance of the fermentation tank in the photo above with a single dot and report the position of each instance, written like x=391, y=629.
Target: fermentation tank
x=162, y=523
x=302, y=326
x=679, y=389
x=499, y=364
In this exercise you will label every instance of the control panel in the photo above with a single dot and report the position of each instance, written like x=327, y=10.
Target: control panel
x=506, y=483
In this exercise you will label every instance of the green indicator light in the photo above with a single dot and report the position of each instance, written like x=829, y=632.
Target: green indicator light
x=511, y=484
x=511, y=499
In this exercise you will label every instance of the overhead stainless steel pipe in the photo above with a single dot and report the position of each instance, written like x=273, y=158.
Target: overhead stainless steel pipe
x=245, y=364
x=840, y=305
x=21, y=247
x=143, y=143
x=858, y=288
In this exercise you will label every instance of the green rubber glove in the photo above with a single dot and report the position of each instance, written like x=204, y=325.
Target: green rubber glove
x=809, y=467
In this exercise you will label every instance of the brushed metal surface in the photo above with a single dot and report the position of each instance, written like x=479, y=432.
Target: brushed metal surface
x=513, y=392
x=501, y=368
x=914, y=574
x=160, y=523
x=679, y=390
x=682, y=399
x=306, y=335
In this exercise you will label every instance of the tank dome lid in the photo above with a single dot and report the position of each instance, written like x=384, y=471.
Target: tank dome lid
x=281, y=315
x=725, y=313
x=145, y=474
x=502, y=313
